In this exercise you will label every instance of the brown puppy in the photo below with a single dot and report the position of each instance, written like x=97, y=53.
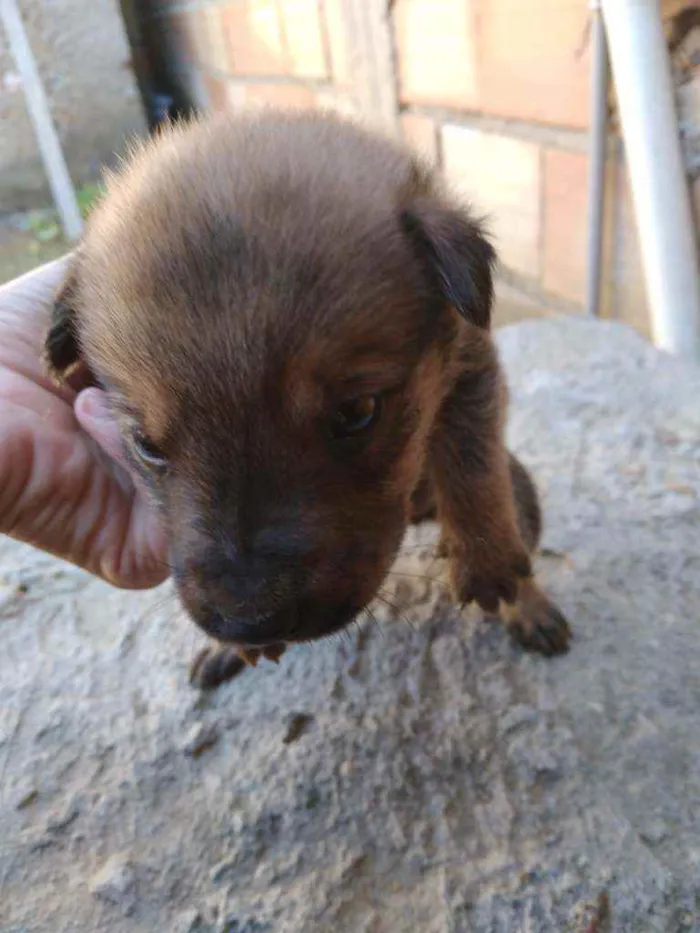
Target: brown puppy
x=292, y=322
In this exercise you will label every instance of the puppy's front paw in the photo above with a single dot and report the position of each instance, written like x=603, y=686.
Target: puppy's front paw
x=486, y=576
x=536, y=623
x=214, y=665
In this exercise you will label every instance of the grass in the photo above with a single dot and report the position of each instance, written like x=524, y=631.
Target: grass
x=32, y=239
x=45, y=226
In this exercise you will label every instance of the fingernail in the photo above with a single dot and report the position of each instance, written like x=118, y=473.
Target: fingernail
x=92, y=404
x=95, y=418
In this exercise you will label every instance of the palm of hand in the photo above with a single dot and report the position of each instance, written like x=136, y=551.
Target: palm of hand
x=57, y=490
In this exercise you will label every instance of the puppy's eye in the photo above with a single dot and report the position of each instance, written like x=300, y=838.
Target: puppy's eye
x=148, y=453
x=355, y=416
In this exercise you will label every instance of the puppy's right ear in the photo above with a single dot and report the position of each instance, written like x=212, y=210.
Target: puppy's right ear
x=61, y=347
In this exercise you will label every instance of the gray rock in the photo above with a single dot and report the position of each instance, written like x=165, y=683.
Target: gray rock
x=61, y=819
x=223, y=869
x=448, y=780
x=188, y=921
x=199, y=738
x=516, y=718
x=115, y=883
x=25, y=795
x=9, y=595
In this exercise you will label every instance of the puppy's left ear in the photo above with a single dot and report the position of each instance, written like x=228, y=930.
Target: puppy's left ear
x=456, y=254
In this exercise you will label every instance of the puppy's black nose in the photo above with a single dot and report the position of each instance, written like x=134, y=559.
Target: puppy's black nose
x=246, y=595
x=248, y=632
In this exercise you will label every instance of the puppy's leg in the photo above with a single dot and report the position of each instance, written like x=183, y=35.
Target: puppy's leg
x=470, y=469
x=486, y=502
x=533, y=620
x=423, y=507
x=215, y=664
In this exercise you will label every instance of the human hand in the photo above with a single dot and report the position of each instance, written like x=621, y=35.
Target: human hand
x=63, y=485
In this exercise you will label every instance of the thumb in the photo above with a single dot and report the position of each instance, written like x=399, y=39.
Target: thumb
x=140, y=558
x=93, y=414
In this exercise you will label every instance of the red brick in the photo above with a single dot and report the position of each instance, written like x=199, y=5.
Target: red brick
x=436, y=46
x=566, y=233
x=255, y=38
x=210, y=42
x=230, y=94
x=336, y=101
x=512, y=305
x=304, y=38
x=338, y=41
x=500, y=176
x=217, y=92
x=565, y=223
x=294, y=96
x=529, y=67
x=420, y=133
x=196, y=26
x=236, y=95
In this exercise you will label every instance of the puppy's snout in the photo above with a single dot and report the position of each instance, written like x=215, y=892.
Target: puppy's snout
x=247, y=595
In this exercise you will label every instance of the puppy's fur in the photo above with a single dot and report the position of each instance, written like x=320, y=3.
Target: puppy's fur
x=292, y=320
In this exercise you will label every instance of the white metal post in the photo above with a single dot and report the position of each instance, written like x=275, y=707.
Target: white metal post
x=642, y=74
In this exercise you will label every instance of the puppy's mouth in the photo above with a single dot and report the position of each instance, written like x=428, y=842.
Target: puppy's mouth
x=302, y=622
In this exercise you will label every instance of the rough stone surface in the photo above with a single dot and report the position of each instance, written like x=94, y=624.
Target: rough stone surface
x=199, y=738
x=115, y=884
x=445, y=782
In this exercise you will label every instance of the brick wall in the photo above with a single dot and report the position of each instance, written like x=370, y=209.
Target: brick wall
x=495, y=91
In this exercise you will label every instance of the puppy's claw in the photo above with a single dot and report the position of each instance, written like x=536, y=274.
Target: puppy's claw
x=214, y=666
x=442, y=551
x=488, y=598
x=488, y=588
x=274, y=652
x=249, y=656
x=538, y=625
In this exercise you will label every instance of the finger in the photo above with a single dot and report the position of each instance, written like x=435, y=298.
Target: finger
x=25, y=312
x=56, y=494
x=139, y=558
x=143, y=554
x=30, y=295
x=95, y=418
x=92, y=413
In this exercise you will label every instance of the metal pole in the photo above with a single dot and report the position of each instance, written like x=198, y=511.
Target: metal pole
x=40, y=114
x=640, y=67
x=596, y=159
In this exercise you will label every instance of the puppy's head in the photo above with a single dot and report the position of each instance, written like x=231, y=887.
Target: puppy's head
x=273, y=305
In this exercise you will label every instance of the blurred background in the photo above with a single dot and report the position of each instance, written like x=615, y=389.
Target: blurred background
x=498, y=92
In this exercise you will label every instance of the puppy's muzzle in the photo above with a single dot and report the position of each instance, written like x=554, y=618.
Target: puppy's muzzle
x=245, y=598
x=282, y=589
